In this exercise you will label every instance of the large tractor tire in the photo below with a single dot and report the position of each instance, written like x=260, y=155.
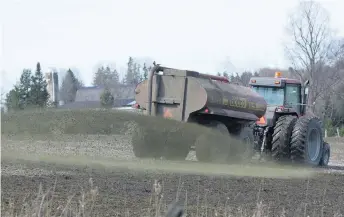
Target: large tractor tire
x=326, y=155
x=280, y=149
x=307, y=145
x=242, y=145
x=213, y=146
x=202, y=148
x=177, y=145
x=146, y=144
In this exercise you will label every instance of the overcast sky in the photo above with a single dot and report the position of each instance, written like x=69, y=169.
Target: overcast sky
x=190, y=34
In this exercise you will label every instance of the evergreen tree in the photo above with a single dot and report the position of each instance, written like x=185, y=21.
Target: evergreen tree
x=145, y=72
x=19, y=96
x=24, y=88
x=129, y=77
x=133, y=75
x=38, y=94
x=237, y=78
x=232, y=78
x=98, y=78
x=107, y=99
x=13, y=99
x=225, y=74
x=106, y=77
x=245, y=78
x=115, y=77
x=69, y=87
x=149, y=69
x=111, y=77
x=136, y=73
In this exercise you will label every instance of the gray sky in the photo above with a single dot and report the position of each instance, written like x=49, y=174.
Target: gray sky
x=198, y=35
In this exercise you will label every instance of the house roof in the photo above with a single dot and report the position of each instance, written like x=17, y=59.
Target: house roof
x=94, y=93
x=88, y=94
x=89, y=97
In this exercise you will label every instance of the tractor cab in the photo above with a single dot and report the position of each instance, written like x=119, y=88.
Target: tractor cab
x=283, y=95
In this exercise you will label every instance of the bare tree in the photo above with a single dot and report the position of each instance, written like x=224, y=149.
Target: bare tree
x=310, y=47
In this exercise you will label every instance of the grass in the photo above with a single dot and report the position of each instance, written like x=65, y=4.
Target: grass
x=44, y=204
x=85, y=121
x=89, y=121
x=55, y=123
x=41, y=204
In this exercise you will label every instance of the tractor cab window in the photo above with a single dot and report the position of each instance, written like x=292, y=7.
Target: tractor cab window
x=272, y=95
x=293, y=97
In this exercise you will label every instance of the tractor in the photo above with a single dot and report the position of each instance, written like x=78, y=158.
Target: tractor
x=267, y=117
x=287, y=131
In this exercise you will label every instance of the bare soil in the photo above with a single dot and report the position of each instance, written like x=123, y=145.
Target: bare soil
x=122, y=190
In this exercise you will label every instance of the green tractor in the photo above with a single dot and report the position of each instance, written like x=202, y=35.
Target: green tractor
x=287, y=132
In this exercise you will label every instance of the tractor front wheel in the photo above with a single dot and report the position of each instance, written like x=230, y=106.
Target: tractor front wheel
x=146, y=144
x=326, y=155
x=307, y=145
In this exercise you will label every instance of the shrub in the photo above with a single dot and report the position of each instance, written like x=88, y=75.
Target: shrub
x=341, y=132
x=331, y=130
x=107, y=99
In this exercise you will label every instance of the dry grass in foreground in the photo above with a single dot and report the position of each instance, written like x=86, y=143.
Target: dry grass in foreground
x=43, y=204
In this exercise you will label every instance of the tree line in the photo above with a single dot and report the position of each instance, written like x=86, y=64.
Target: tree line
x=317, y=55
x=109, y=79
x=31, y=89
x=312, y=50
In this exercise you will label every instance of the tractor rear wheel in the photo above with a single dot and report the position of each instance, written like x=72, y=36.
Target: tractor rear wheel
x=146, y=144
x=202, y=148
x=307, y=143
x=281, y=137
x=242, y=148
x=177, y=145
x=213, y=147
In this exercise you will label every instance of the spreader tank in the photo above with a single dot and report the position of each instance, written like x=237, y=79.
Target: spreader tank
x=177, y=94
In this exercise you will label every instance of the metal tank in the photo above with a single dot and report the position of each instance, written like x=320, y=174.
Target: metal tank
x=178, y=94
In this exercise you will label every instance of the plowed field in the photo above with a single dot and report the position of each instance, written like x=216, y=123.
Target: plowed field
x=117, y=184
